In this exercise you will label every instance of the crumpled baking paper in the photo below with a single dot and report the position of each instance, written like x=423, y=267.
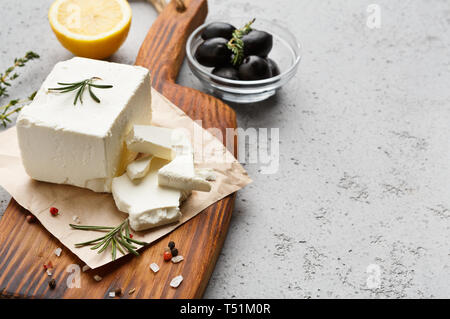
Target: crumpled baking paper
x=99, y=208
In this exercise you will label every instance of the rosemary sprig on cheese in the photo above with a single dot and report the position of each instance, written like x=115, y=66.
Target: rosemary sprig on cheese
x=79, y=88
x=118, y=238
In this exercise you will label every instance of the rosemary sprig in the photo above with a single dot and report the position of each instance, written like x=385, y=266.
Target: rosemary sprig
x=80, y=87
x=236, y=45
x=14, y=106
x=114, y=237
x=8, y=76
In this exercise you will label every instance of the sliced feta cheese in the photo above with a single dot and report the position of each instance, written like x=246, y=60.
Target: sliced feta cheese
x=147, y=204
x=83, y=144
x=180, y=174
x=154, y=267
x=176, y=281
x=139, y=167
x=151, y=140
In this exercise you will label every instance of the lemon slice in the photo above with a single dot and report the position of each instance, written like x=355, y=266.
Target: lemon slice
x=91, y=29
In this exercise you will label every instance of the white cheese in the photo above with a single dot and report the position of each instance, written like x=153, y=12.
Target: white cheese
x=83, y=144
x=139, y=168
x=151, y=140
x=180, y=174
x=147, y=204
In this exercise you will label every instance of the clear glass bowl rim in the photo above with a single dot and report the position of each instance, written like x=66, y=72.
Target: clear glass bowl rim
x=200, y=69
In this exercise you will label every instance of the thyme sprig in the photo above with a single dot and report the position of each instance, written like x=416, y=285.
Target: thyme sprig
x=80, y=87
x=14, y=106
x=236, y=45
x=115, y=237
x=8, y=76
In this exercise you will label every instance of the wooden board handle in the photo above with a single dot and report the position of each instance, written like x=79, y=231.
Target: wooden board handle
x=163, y=49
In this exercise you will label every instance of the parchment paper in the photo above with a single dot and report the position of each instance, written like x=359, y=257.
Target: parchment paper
x=99, y=208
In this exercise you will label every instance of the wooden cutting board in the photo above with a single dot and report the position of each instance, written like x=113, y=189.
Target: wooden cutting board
x=24, y=247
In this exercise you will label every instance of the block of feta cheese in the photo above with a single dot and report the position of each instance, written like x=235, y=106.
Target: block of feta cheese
x=139, y=167
x=83, y=144
x=151, y=140
x=147, y=204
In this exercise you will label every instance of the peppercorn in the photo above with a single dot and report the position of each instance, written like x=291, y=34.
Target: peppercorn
x=167, y=255
x=118, y=291
x=171, y=245
x=52, y=284
x=174, y=252
x=53, y=211
x=30, y=219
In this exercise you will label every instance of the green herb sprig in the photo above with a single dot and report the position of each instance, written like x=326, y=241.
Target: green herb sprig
x=9, y=75
x=118, y=237
x=14, y=106
x=80, y=87
x=236, y=45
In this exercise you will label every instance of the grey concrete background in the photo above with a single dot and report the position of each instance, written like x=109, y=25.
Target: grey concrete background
x=364, y=175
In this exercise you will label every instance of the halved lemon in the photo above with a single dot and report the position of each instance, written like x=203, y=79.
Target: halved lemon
x=91, y=29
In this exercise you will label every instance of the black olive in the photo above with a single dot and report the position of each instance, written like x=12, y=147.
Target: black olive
x=227, y=72
x=273, y=67
x=213, y=52
x=218, y=30
x=257, y=43
x=254, y=68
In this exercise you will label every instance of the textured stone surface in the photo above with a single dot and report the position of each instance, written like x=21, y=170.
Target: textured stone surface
x=364, y=177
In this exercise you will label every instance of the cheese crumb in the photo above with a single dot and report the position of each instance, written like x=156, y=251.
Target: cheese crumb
x=58, y=251
x=176, y=281
x=154, y=267
x=49, y=272
x=177, y=259
x=85, y=268
x=97, y=278
x=112, y=294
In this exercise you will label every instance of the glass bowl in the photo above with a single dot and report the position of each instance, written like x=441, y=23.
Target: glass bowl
x=286, y=52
